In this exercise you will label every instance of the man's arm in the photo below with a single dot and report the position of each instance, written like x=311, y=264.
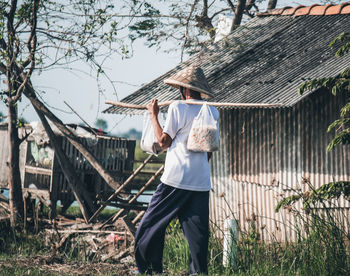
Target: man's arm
x=164, y=139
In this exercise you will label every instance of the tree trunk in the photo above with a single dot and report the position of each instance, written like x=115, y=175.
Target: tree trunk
x=238, y=13
x=272, y=4
x=30, y=94
x=14, y=182
x=83, y=198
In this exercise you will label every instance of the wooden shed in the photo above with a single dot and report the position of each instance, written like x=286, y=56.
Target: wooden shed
x=270, y=153
x=41, y=175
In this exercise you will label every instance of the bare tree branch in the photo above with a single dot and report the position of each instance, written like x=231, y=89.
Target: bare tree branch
x=31, y=45
x=232, y=7
x=271, y=4
x=186, y=27
x=238, y=13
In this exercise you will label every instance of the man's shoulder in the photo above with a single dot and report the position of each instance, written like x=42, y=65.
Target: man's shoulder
x=177, y=104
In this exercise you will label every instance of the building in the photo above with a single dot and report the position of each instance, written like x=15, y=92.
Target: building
x=268, y=153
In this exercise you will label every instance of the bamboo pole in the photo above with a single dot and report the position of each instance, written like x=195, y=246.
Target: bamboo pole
x=216, y=104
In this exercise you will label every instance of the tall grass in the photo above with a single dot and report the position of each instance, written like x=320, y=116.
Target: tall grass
x=16, y=242
x=322, y=248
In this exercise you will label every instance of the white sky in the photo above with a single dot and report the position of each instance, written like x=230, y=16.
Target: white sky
x=81, y=91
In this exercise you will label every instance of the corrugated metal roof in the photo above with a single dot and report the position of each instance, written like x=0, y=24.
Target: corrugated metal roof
x=264, y=61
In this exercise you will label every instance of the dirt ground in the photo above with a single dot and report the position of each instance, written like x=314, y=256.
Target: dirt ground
x=52, y=265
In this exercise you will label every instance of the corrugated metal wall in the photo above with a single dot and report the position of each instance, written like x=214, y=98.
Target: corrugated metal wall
x=264, y=155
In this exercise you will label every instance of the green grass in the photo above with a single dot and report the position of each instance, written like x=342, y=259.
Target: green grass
x=6, y=271
x=16, y=242
x=325, y=250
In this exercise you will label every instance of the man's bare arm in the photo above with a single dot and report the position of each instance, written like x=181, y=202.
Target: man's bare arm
x=164, y=139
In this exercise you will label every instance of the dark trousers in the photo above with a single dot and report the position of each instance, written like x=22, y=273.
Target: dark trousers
x=192, y=209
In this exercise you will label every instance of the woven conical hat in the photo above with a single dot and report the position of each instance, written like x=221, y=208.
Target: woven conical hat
x=191, y=77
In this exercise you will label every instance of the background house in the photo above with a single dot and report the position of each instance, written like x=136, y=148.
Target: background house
x=266, y=152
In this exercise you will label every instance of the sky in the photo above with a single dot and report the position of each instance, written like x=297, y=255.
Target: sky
x=80, y=91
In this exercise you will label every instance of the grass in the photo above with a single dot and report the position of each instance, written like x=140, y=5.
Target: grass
x=322, y=248
x=325, y=251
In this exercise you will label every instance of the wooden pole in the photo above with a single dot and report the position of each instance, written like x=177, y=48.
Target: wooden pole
x=136, y=106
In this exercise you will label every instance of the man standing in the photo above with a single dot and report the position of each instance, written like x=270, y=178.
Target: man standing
x=185, y=183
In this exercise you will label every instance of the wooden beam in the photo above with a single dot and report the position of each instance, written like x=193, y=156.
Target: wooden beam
x=37, y=170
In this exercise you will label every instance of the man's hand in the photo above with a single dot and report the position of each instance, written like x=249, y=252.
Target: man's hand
x=153, y=108
x=164, y=139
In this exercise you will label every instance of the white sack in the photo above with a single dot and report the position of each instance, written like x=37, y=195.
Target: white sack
x=149, y=142
x=204, y=134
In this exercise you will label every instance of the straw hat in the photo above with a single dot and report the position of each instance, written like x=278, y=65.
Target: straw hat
x=191, y=77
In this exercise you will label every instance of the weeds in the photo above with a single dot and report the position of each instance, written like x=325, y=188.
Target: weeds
x=322, y=248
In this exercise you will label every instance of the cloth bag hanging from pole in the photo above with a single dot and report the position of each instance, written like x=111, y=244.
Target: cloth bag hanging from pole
x=204, y=134
x=149, y=142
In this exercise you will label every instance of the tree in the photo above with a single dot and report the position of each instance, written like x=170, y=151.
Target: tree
x=189, y=24
x=338, y=84
x=101, y=124
x=37, y=35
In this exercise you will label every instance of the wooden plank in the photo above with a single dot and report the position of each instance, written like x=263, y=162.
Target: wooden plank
x=37, y=192
x=138, y=217
x=38, y=170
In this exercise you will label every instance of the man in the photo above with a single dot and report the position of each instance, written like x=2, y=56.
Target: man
x=185, y=183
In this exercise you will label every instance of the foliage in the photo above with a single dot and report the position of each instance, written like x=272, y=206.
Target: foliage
x=38, y=35
x=332, y=190
x=188, y=24
x=101, y=124
x=13, y=242
x=339, y=84
x=132, y=133
x=324, y=251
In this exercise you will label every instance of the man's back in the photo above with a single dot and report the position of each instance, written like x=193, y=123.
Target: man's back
x=185, y=169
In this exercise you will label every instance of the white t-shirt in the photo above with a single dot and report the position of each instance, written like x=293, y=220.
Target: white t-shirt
x=185, y=169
